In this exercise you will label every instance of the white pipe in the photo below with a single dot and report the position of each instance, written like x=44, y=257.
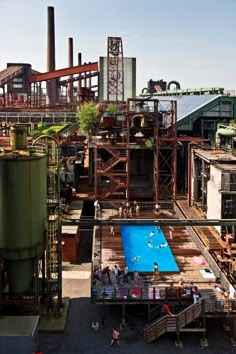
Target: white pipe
x=229, y=132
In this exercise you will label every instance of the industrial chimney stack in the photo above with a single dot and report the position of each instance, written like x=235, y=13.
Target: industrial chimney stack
x=51, y=62
x=70, y=65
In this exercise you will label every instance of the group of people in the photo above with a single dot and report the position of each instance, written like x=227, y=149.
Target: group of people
x=104, y=275
x=127, y=211
x=191, y=290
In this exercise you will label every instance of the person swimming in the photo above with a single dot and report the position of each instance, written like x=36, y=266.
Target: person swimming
x=150, y=244
x=151, y=234
x=162, y=245
x=136, y=259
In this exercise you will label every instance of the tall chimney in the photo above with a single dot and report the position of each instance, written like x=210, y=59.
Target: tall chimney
x=79, y=81
x=70, y=64
x=51, y=62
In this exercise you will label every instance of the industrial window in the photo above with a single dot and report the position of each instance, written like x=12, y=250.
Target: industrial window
x=18, y=79
x=233, y=182
x=17, y=86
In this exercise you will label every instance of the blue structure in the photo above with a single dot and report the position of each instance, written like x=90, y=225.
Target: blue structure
x=144, y=245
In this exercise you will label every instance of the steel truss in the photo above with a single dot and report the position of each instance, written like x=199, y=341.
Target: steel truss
x=115, y=70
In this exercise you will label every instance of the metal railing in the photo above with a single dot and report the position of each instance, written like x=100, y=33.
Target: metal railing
x=38, y=117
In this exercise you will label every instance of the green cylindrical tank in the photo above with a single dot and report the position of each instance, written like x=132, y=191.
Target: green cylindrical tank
x=18, y=137
x=23, y=211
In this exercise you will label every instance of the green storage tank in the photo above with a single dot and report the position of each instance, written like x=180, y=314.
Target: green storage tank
x=23, y=211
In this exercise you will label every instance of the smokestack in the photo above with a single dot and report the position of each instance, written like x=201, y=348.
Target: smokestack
x=79, y=82
x=51, y=62
x=70, y=64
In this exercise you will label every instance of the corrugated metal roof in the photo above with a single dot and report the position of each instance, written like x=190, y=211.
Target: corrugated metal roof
x=187, y=104
x=9, y=73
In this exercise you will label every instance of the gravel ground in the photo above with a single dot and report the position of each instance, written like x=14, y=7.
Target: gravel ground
x=80, y=338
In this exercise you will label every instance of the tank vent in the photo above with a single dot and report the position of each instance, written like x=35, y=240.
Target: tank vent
x=18, y=137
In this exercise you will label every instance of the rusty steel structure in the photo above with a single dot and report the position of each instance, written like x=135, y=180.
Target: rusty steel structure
x=143, y=121
x=115, y=70
x=22, y=88
x=135, y=152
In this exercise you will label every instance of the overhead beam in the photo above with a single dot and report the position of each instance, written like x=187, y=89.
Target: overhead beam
x=64, y=72
x=152, y=222
x=79, y=77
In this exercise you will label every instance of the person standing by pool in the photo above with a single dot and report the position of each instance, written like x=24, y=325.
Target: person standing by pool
x=117, y=272
x=136, y=277
x=171, y=229
x=126, y=278
x=120, y=211
x=137, y=210
x=156, y=209
x=156, y=274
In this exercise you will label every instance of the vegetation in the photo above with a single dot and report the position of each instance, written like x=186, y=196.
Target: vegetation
x=150, y=143
x=88, y=117
x=46, y=129
x=112, y=108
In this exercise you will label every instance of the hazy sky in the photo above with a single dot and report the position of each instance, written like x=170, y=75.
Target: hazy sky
x=191, y=41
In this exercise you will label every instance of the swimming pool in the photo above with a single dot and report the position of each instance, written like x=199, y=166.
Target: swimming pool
x=144, y=245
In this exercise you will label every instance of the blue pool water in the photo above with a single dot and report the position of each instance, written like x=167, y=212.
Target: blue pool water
x=141, y=250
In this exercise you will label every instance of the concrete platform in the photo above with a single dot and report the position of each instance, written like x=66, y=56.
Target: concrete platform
x=53, y=323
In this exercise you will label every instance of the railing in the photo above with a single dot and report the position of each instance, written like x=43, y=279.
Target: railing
x=38, y=117
x=136, y=292
x=168, y=323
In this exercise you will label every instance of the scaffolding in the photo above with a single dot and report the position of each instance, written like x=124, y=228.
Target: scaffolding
x=147, y=130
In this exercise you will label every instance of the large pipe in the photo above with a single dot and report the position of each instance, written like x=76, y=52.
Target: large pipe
x=228, y=132
x=70, y=64
x=51, y=61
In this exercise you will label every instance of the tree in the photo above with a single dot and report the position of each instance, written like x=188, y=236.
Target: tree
x=88, y=117
x=112, y=108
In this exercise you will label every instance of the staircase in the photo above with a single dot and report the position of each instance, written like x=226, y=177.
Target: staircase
x=114, y=170
x=165, y=324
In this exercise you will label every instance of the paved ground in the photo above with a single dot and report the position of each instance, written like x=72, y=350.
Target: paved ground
x=79, y=338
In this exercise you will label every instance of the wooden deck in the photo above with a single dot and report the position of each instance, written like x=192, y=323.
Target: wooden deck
x=184, y=251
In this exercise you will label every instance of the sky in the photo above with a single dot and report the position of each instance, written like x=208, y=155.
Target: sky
x=190, y=41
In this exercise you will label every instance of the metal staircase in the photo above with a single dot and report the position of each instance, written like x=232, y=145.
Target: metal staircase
x=113, y=170
x=177, y=324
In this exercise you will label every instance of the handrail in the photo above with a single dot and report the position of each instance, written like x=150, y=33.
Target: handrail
x=168, y=323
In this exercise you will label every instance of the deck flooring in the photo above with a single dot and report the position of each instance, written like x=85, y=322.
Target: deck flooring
x=182, y=246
